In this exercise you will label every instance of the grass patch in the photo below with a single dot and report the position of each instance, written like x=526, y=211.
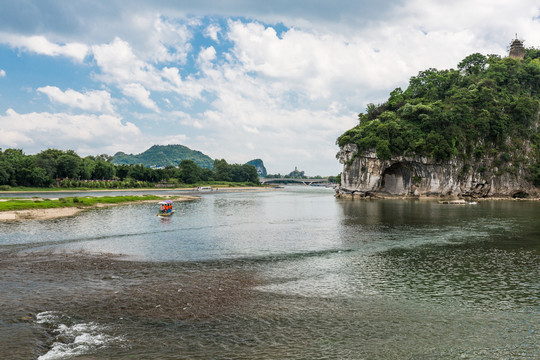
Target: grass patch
x=25, y=204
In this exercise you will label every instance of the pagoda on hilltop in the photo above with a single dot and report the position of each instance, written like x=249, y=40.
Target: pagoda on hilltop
x=517, y=51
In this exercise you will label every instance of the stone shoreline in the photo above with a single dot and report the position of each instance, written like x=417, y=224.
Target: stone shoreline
x=360, y=195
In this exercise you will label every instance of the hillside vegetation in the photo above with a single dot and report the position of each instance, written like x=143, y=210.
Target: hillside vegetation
x=488, y=107
x=164, y=155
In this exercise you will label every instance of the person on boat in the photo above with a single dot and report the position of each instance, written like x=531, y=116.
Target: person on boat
x=163, y=209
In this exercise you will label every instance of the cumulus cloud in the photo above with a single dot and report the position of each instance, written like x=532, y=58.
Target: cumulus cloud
x=96, y=100
x=36, y=131
x=169, y=41
x=41, y=45
x=212, y=31
x=140, y=94
x=2, y=73
x=119, y=64
x=319, y=66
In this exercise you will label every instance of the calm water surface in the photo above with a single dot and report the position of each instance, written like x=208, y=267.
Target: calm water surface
x=329, y=279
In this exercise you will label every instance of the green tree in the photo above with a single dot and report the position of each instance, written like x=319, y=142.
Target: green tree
x=222, y=170
x=86, y=168
x=473, y=64
x=103, y=170
x=122, y=171
x=39, y=177
x=190, y=172
x=67, y=166
x=47, y=160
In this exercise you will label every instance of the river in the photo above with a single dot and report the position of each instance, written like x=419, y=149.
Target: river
x=288, y=274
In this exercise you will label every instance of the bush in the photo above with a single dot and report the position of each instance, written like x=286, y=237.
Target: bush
x=5, y=187
x=382, y=149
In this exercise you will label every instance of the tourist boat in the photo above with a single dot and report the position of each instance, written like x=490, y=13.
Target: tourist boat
x=165, y=208
x=205, y=188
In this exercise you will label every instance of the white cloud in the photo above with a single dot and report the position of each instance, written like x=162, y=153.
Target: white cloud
x=96, y=100
x=38, y=131
x=14, y=139
x=314, y=66
x=120, y=65
x=41, y=45
x=156, y=37
x=212, y=31
x=2, y=73
x=140, y=94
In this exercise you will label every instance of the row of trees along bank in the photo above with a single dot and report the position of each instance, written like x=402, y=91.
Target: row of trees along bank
x=70, y=170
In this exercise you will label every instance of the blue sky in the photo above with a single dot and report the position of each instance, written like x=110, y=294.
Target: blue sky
x=236, y=79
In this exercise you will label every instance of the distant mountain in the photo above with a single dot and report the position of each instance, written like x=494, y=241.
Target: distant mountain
x=164, y=155
x=259, y=165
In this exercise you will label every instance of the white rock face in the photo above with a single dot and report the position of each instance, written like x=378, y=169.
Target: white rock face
x=366, y=175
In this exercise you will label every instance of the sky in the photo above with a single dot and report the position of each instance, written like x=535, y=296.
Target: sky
x=236, y=79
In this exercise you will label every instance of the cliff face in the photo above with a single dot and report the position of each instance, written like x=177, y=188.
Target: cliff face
x=366, y=175
x=259, y=166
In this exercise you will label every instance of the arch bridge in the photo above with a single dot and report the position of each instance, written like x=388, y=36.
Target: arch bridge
x=307, y=181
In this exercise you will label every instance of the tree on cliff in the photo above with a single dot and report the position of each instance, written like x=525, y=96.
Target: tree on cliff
x=488, y=106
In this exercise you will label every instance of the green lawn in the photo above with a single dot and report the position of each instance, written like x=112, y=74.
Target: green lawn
x=36, y=203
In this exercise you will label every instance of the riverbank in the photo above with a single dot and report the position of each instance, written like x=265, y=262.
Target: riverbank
x=221, y=186
x=138, y=190
x=55, y=208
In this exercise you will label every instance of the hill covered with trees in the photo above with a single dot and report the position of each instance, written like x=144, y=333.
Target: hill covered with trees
x=164, y=155
x=484, y=116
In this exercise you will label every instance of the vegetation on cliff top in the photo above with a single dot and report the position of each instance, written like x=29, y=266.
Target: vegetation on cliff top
x=489, y=106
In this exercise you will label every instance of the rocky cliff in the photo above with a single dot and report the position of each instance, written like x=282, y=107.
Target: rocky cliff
x=259, y=166
x=365, y=175
x=473, y=131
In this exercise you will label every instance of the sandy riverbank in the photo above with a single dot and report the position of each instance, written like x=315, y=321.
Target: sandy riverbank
x=48, y=214
x=194, y=190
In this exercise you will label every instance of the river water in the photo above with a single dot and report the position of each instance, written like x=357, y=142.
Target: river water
x=289, y=274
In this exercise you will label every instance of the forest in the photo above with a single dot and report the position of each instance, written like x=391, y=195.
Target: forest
x=53, y=167
x=488, y=106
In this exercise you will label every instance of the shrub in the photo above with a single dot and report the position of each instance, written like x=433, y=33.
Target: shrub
x=383, y=150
